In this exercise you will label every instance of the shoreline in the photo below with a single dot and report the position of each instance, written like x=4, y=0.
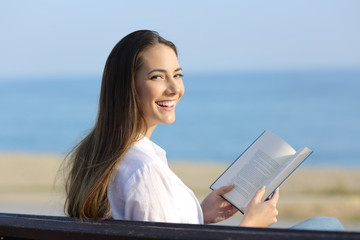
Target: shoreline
x=31, y=184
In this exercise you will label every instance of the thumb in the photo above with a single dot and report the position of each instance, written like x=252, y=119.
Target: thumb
x=224, y=189
x=275, y=196
x=260, y=195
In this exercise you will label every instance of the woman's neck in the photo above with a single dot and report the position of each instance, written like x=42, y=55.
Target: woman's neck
x=150, y=131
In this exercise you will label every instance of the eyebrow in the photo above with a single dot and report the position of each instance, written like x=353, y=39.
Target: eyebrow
x=163, y=70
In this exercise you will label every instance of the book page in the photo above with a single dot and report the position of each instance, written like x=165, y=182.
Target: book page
x=284, y=172
x=255, y=173
x=254, y=168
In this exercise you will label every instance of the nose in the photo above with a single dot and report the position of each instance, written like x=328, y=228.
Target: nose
x=174, y=86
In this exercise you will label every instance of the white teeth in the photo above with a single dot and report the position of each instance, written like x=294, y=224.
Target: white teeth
x=166, y=104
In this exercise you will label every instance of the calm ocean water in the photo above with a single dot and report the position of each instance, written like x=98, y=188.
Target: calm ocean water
x=218, y=117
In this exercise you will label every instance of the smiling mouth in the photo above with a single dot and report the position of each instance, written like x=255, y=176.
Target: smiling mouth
x=166, y=104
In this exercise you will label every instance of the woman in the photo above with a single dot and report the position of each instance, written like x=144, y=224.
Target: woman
x=118, y=172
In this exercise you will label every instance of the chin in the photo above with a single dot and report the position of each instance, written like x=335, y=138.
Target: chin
x=169, y=121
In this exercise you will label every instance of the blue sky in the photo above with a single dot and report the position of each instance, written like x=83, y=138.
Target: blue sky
x=75, y=37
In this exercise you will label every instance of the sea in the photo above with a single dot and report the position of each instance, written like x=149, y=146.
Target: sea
x=218, y=117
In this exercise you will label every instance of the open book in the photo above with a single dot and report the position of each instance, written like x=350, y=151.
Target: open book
x=267, y=162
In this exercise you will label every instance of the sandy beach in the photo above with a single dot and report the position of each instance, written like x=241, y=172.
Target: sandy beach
x=31, y=184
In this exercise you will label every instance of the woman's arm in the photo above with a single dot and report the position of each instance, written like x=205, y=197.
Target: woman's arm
x=259, y=213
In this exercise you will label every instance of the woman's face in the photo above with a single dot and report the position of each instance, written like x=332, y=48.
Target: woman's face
x=159, y=85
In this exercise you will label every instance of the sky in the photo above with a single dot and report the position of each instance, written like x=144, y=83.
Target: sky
x=42, y=38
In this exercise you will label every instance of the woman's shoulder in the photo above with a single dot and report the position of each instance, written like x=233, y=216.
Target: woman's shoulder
x=139, y=157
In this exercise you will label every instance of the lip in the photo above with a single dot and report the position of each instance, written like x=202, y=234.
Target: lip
x=166, y=105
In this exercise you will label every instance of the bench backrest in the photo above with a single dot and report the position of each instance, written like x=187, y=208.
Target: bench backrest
x=19, y=226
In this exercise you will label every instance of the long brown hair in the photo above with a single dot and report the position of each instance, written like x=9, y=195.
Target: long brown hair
x=119, y=124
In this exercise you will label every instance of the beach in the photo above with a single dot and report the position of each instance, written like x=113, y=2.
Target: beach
x=31, y=183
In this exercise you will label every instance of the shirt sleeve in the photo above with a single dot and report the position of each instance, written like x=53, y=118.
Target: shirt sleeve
x=149, y=196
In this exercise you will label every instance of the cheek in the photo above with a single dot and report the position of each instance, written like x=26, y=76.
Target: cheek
x=147, y=94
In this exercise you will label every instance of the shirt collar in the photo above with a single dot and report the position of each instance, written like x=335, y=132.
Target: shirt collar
x=147, y=145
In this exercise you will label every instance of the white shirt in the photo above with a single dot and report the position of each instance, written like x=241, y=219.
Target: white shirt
x=145, y=189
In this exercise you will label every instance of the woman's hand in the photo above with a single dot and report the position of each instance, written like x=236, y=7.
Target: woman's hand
x=215, y=208
x=260, y=213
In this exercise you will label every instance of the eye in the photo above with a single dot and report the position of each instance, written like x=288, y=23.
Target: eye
x=156, y=77
x=179, y=75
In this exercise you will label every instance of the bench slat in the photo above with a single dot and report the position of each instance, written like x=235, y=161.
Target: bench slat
x=54, y=227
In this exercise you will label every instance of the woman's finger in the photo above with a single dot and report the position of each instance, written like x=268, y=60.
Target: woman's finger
x=275, y=196
x=224, y=189
x=260, y=195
